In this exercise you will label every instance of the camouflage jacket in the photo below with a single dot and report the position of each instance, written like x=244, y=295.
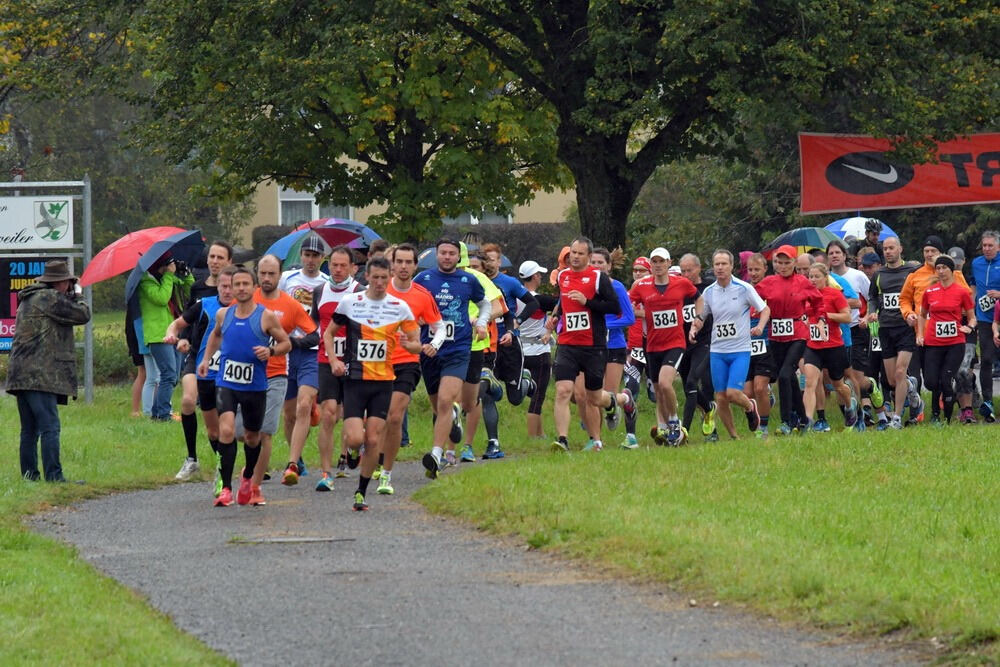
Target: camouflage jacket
x=42, y=355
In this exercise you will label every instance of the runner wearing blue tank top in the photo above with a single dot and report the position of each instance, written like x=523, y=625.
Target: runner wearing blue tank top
x=242, y=334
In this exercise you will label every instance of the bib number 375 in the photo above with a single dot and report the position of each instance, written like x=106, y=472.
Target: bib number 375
x=577, y=321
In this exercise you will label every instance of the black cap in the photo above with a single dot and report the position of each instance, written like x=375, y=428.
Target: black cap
x=934, y=242
x=871, y=259
x=946, y=260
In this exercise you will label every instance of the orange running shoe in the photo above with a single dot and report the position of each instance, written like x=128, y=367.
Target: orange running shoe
x=256, y=498
x=243, y=495
x=291, y=476
x=225, y=498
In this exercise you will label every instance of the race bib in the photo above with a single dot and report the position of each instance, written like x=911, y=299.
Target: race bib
x=758, y=346
x=213, y=362
x=371, y=350
x=986, y=303
x=725, y=331
x=876, y=344
x=890, y=301
x=689, y=312
x=664, y=319
x=238, y=372
x=946, y=329
x=449, y=330
x=577, y=321
x=339, y=346
x=819, y=332
x=784, y=326
x=639, y=355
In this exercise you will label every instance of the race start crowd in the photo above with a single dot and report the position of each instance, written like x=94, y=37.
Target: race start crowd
x=321, y=347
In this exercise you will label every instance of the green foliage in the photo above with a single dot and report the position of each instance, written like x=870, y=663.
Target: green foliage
x=539, y=241
x=361, y=104
x=265, y=236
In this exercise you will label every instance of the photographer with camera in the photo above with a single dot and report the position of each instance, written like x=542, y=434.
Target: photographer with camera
x=162, y=294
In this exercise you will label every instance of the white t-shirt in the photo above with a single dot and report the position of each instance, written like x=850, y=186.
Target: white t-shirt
x=531, y=331
x=729, y=307
x=300, y=287
x=860, y=282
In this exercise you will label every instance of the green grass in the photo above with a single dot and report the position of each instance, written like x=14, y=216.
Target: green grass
x=867, y=533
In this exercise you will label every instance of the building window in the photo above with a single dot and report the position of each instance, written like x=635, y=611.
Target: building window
x=296, y=207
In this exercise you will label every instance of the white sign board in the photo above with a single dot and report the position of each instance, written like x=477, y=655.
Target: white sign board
x=36, y=223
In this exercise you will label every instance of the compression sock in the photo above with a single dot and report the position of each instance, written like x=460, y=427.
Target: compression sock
x=227, y=452
x=363, y=484
x=190, y=425
x=214, y=444
x=251, y=454
x=821, y=415
x=491, y=418
x=381, y=458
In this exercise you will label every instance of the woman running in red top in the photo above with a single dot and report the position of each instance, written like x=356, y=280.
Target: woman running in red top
x=825, y=347
x=942, y=335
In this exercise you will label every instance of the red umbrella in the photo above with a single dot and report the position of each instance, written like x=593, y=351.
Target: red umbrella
x=122, y=255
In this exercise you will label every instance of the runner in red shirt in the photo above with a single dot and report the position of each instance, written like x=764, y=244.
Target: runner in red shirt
x=825, y=349
x=661, y=298
x=635, y=362
x=941, y=333
x=787, y=294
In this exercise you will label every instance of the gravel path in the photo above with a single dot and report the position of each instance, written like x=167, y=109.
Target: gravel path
x=395, y=586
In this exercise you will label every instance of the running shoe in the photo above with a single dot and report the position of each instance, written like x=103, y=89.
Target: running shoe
x=628, y=407
x=851, y=416
x=528, y=386
x=353, y=458
x=967, y=416
x=612, y=413
x=493, y=450
x=377, y=473
x=449, y=460
x=896, y=423
x=291, y=476
x=860, y=426
x=467, y=455
x=876, y=394
x=385, y=485
x=916, y=409
x=266, y=477
x=883, y=425
x=784, y=429
x=936, y=421
x=631, y=442
x=325, y=482
x=708, y=423
x=821, y=426
x=359, y=502
x=712, y=437
x=658, y=435
x=560, y=445
x=457, y=432
x=243, y=494
x=187, y=470
x=225, y=498
x=761, y=433
x=494, y=388
x=341, y=467
x=684, y=436
x=753, y=416
x=869, y=420
x=593, y=446
x=431, y=465
x=302, y=468
x=218, y=481
x=673, y=433
x=256, y=498
x=986, y=410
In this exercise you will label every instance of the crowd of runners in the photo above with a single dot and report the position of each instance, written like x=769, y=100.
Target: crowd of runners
x=853, y=321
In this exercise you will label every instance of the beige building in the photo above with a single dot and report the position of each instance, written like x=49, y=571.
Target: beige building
x=281, y=206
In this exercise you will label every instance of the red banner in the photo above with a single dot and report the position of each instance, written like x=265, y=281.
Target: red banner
x=852, y=173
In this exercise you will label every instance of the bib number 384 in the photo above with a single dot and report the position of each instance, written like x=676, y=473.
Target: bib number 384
x=664, y=319
x=238, y=372
x=577, y=321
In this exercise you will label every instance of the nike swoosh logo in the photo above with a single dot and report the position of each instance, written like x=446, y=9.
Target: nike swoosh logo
x=890, y=177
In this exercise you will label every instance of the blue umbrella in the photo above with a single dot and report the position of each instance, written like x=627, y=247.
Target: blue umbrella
x=856, y=227
x=185, y=246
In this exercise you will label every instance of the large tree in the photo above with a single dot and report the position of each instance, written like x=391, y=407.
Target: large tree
x=636, y=83
x=363, y=104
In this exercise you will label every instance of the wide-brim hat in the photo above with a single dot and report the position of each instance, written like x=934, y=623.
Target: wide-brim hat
x=55, y=271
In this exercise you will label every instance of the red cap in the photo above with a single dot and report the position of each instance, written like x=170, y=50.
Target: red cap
x=643, y=262
x=786, y=250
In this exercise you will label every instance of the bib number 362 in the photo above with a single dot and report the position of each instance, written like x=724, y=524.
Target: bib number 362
x=577, y=321
x=238, y=372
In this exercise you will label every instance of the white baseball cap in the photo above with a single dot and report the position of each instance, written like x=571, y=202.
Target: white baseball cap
x=530, y=268
x=660, y=252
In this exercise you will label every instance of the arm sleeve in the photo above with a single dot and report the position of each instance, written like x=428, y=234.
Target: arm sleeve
x=531, y=306
x=485, y=312
x=874, y=302
x=547, y=302
x=605, y=301
x=626, y=315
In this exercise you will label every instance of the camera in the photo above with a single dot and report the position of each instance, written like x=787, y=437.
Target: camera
x=182, y=268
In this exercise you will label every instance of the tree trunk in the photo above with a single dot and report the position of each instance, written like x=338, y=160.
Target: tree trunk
x=606, y=185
